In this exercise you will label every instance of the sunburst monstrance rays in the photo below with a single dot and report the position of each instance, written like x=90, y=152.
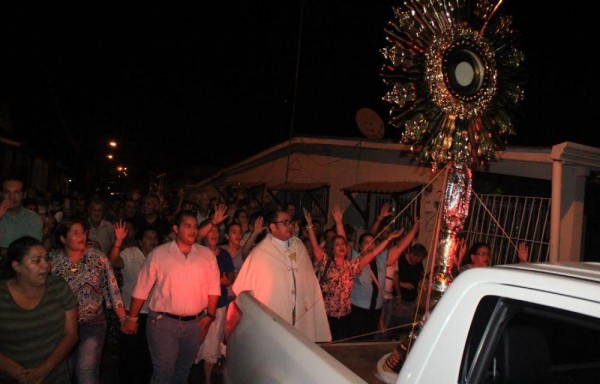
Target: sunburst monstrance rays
x=455, y=78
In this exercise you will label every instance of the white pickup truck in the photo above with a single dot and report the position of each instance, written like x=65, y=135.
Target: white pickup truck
x=523, y=323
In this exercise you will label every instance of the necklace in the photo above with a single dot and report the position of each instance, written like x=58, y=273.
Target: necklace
x=74, y=267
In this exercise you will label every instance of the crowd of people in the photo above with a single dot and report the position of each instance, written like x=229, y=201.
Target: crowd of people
x=158, y=279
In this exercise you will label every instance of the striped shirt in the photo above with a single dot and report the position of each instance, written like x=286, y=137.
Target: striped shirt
x=30, y=336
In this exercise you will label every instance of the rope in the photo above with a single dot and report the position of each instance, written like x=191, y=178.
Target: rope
x=369, y=333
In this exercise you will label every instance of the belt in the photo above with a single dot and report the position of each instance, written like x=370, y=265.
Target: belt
x=182, y=318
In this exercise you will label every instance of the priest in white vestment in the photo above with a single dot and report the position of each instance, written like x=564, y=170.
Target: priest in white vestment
x=280, y=273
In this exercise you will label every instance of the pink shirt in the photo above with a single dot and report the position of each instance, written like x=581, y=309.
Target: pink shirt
x=178, y=284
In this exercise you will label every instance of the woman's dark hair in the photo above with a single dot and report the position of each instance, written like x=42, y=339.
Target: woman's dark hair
x=362, y=237
x=473, y=250
x=139, y=234
x=64, y=226
x=238, y=212
x=418, y=250
x=17, y=250
x=232, y=224
x=330, y=245
x=350, y=231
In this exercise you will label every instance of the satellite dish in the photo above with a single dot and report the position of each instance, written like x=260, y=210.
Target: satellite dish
x=369, y=123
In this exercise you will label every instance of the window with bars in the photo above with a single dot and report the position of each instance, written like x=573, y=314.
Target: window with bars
x=314, y=199
x=404, y=209
x=504, y=221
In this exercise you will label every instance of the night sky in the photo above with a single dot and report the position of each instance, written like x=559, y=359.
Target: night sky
x=174, y=84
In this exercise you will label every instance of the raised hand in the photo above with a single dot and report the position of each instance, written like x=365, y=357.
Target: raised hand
x=416, y=223
x=231, y=210
x=337, y=214
x=259, y=224
x=395, y=234
x=220, y=213
x=120, y=231
x=307, y=217
x=385, y=211
x=523, y=252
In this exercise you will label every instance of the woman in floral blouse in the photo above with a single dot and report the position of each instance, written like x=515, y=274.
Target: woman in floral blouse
x=92, y=280
x=337, y=272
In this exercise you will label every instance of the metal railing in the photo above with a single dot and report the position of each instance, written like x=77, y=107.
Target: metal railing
x=504, y=221
x=501, y=221
x=406, y=204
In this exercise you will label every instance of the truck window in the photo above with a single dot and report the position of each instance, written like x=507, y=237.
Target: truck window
x=512, y=341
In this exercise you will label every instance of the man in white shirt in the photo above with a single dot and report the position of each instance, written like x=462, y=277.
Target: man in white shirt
x=183, y=277
x=101, y=231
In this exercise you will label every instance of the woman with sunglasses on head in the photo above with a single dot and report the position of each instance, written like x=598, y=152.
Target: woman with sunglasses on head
x=90, y=275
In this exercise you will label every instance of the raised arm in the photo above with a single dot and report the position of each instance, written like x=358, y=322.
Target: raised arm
x=385, y=212
x=395, y=252
x=317, y=250
x=366, y=258
x=219, y=216
x=115, y=252
x=338, y=218
x=523, y=252
x=231, y=213
x=257, y=228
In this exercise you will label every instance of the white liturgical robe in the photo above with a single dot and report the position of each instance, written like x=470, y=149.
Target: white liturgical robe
x=282, y=277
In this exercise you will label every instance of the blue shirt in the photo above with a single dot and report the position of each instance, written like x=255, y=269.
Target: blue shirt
x=363, y=287
x=225, y=265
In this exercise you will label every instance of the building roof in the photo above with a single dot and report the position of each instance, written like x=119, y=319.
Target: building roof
x=383, y=187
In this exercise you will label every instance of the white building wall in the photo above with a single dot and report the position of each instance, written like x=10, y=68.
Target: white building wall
x=342, y=163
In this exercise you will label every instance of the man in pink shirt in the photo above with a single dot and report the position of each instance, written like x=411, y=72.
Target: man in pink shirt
x=183, y=277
